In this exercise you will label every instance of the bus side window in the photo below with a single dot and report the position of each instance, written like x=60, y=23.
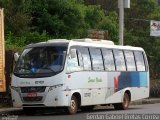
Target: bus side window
x=72, y=63
x=96, y=58
x=119, y=60
x=86, y=58
x=130, y=62
x=108, y=60
x=139, y=61
x=145, y=61
x=80, y=59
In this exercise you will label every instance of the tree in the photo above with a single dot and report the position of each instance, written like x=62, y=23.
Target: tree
x=110, y=23
x=30, y=21
x=68, y=18
x=59, y=18
x=16, y=18
x=137, y=30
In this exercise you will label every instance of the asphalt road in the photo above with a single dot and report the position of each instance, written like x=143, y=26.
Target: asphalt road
x=134, y=112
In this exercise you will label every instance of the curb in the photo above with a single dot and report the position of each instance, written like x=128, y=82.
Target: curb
x=9, y=110
x=146, y=101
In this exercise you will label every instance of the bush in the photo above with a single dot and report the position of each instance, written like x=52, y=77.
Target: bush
x=155, y=88
x=18, y=42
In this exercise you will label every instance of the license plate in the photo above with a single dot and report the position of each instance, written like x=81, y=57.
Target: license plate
x=32, y=95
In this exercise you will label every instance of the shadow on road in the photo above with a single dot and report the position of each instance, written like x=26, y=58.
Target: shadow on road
x=51, y=112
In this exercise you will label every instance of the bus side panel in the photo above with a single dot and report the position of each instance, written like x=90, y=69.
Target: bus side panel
x=115, y=98
x=112, y=95
x=132, y=79
x=136, y=82
x=139, y=93
x=92, y=86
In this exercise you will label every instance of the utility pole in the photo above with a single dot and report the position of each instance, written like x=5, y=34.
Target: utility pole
x=121, y=21
x=121, y=5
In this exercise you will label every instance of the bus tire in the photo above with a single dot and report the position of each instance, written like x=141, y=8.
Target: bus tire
x=72, y=109
x=29, y=111
x=87, y=108
x=124, y=105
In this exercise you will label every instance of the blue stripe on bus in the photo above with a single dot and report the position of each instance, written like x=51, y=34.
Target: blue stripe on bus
x=132, y=79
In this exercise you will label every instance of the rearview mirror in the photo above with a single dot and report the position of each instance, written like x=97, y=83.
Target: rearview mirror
x=16, y=56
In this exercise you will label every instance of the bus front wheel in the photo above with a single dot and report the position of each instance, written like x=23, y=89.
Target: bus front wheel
x=124, y=105
x=72, y=109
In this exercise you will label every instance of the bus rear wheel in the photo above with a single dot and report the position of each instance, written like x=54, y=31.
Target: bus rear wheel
x=72, y=109
x=124, y=105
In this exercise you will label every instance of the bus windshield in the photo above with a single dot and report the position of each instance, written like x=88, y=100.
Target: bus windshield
x=41, y=61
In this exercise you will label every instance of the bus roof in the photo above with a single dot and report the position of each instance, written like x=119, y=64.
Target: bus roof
x=102, y=43
x=82, y=42
x=72, y=43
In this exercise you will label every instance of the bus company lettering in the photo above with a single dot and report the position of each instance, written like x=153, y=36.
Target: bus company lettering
x=39, y=82
x=25, y=83
x=90, y=80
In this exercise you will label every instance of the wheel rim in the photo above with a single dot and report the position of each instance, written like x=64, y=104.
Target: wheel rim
x=73, y=105
x=126, y=102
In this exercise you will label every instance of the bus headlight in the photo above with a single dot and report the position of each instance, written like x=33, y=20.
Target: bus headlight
x=54, y=87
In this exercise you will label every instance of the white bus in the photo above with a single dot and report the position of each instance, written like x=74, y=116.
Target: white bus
x=79, y=74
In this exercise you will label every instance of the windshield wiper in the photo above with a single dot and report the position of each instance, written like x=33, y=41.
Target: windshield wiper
x=48, y=68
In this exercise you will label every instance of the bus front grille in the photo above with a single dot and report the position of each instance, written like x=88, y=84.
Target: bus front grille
x=33, y=89
x=32, y=99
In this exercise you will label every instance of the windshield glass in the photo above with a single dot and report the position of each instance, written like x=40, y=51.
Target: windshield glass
x=41, y=61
